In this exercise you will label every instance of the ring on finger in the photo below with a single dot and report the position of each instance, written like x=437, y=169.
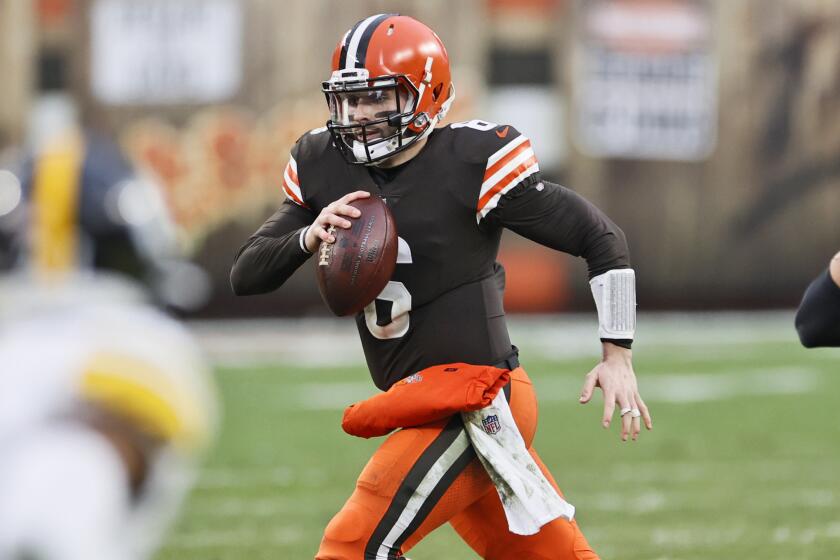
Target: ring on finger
x=635, y=412
x=626, y=410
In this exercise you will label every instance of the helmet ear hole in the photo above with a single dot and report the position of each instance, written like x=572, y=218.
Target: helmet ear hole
x=436, y=91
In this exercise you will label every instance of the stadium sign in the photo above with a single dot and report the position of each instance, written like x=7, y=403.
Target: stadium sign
x=152, y=52
x=645, y=79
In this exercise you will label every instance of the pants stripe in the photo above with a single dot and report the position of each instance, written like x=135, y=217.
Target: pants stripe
x=456, y=469
x=422, y=487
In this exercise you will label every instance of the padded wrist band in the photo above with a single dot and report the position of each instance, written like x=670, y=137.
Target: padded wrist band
x=615, y=298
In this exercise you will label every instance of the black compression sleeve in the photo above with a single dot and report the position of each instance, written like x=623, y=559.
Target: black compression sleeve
x=273, y=253
x=560, y=218
x=818, y=316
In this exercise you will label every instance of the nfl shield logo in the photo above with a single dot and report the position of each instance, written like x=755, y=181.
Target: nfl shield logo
x=491, y=424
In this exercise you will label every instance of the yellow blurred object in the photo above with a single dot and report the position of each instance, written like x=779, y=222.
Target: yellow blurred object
x=141, y=393
x=55, y=205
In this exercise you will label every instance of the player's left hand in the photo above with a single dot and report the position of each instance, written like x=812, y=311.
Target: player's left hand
x=615, y=376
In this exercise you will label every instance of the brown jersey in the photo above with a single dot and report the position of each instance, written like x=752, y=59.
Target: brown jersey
x=450, y=203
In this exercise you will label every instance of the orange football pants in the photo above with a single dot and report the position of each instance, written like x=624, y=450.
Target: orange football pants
x=421, y=478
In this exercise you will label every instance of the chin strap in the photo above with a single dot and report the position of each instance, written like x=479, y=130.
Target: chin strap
x=376, y=151
x=615, y=298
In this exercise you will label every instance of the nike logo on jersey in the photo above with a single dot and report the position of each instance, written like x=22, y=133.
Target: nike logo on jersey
x=502, y=133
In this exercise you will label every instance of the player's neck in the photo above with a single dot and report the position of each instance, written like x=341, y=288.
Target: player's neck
x=404, y=156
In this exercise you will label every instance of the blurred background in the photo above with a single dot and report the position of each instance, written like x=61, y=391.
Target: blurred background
x=709, y=130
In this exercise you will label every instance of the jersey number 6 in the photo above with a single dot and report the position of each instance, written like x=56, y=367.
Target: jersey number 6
x=398, y=295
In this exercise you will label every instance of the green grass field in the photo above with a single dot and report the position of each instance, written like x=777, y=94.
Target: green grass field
x=743, y=463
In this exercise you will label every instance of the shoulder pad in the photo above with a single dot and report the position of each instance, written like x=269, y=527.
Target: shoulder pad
x=309, y=147
x=506, y=155
x=311, y=144
x=476, y=141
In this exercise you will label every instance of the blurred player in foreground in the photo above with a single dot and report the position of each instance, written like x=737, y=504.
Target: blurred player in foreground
x=106, y=404
x=818, y=317
x=452, y=189
x=105, y=408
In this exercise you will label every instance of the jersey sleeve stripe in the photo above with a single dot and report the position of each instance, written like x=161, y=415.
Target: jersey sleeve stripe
x=490, y=182
x=497, y=170
x=522, y=172
x=291, y=188
x=291, y=194
x=506, y=149
x=293, y=174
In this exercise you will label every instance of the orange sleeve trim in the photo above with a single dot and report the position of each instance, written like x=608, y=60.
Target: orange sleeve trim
x=493, y=169
x=509, y=178
x=290, y=193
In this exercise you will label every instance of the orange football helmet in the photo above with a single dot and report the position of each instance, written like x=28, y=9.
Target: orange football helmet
x=390, y=86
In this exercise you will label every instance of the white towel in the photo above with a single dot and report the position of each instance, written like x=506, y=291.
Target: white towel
x=528, y=498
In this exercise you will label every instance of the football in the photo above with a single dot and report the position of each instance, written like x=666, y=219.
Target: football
x=357, y=267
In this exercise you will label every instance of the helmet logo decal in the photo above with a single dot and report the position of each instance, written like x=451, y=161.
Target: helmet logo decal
x=427, y=77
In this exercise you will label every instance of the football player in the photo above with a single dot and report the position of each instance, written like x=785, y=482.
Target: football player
x=105, y=403
x=818, y=317
x=452, y=190
x=105, y=408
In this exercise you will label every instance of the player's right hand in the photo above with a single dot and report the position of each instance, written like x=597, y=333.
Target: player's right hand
x=334, y=214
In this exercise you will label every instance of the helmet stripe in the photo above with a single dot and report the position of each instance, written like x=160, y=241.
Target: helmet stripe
x=364, y=42
x=342, y=58
x=353, y=42
x=359, y=38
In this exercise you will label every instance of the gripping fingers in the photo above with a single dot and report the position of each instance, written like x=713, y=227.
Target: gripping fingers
x=337, y=221
x=350, y=197
x=347, y=210
x=326, y=224
x=333, y=216
x=338, y=208
x=323, y=234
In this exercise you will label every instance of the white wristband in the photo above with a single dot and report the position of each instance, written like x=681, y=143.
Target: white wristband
x=301, y=238
x=615, y=298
